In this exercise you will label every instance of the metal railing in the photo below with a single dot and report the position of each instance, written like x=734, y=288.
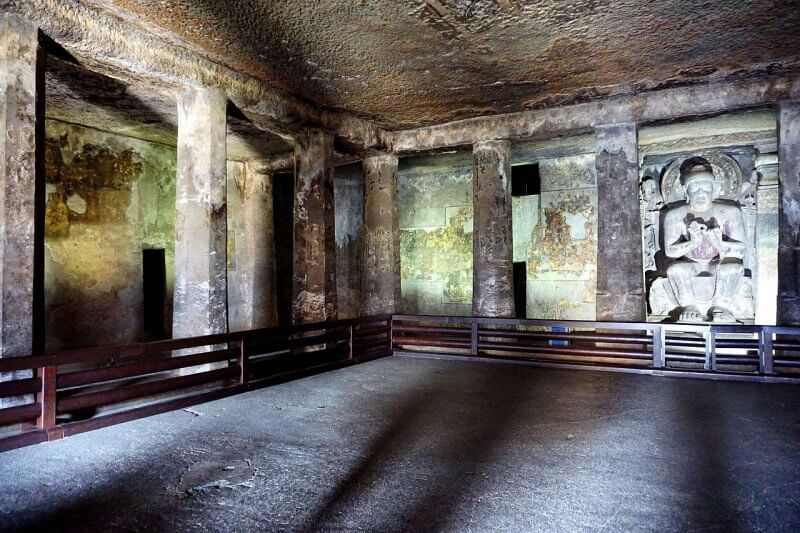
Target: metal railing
x=767, y=353
x=80, y=390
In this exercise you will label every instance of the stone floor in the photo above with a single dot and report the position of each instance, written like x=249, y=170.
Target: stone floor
x=408, y=444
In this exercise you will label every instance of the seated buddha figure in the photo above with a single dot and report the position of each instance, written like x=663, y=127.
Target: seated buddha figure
x=706, y=238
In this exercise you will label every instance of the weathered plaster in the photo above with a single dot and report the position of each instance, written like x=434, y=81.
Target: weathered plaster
x=381, y=246
x=314, y=293
x=200, y=296
x=561, y=248
x=108, y=198
x=620, y=285
x=492, y=242
x=19, y=49
x=348, y=195
x=789, y=221
x=435, y=216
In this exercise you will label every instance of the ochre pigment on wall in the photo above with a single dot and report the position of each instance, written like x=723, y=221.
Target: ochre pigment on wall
x=556, y=235
x=435, y=212
x=107, y=198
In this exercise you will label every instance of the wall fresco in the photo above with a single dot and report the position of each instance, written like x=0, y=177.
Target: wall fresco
x=107, y=198
x=561, y=248
x=435, y=212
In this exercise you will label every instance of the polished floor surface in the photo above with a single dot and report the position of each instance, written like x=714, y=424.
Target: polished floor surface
x=416, y=444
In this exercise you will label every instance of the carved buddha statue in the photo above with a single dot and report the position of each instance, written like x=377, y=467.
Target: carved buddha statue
x=706, y=239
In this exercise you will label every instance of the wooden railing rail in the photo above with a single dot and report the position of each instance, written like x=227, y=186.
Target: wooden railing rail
x=78, y=390
x=62, y=394
x=766, y=353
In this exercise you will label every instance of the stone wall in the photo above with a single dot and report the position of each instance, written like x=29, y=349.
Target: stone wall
x=555, y=233
x=435, y=212
x=107, y=198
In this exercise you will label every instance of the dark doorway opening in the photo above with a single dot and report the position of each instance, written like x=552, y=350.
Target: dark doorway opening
x=154, y=285
x=525, y=180
x=520, y=289
x=283, y=213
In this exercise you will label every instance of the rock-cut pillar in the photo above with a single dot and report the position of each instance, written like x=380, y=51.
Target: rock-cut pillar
x=620, y=277
x=381, y=263
x=199, y=306
x=260, y=246
x=789, y=218
x=492, y=244
x=20, y=70
x=314, y=287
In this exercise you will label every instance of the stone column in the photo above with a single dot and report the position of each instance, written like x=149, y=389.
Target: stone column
x=20, y=70
x=259, y=237
x=381, y=264
x=314, y=290
x=492, y=245
x=200, y=297
x=620, y=278
x=766, y=235
x=789, y=218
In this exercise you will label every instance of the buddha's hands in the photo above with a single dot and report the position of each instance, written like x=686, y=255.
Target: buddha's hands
x=715, y=236
x=697, y=231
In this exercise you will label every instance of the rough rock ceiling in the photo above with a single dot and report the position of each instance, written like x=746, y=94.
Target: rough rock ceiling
x=79, y=96
x=408, y=63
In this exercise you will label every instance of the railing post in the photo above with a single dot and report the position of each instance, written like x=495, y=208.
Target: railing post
x=474, y=338
x=765, y=351
x=391, y=335
x=350, y=341
x=659, y=347
x=711, y=350
x=244, y=363
x=46, y=397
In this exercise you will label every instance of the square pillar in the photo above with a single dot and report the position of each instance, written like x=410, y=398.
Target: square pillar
x=21, y=81
x=200, y=298
x=314, y=287
x=789, y=217
x=620, y=277
x=259, y=234
x=381, y=264
x=492, y=243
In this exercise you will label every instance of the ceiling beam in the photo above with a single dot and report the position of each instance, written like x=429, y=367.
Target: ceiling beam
x=644, y=108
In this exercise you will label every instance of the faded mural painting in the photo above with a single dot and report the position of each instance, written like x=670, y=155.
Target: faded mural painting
x=555, y=234
x=435, y=212
x=108, y=197
x=561, y=247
